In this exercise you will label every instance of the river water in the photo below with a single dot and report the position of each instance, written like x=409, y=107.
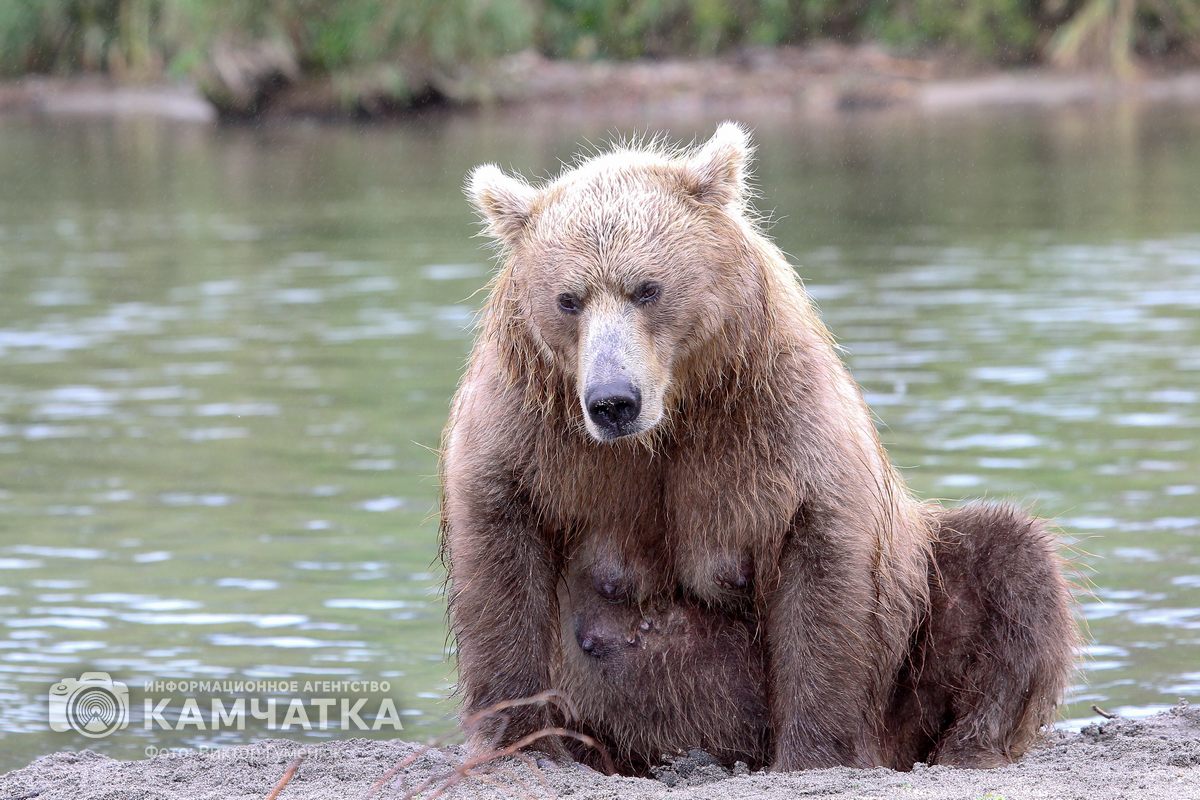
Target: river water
x=226, y=354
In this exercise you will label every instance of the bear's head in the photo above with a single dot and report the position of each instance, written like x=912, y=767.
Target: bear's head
x=619, y=275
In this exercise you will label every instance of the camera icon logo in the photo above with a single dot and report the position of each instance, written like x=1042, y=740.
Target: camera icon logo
x=93, y=705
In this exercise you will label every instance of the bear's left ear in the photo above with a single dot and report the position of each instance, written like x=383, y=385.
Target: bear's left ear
x=504, y=202
x=716, y=172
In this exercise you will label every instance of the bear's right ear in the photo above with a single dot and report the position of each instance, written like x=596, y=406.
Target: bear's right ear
x=505, y=203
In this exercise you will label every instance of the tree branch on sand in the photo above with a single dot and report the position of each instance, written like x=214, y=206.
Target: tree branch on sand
x=475, y=765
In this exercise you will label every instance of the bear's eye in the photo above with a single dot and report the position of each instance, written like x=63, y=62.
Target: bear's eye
x=569, y=303
x=647, y=293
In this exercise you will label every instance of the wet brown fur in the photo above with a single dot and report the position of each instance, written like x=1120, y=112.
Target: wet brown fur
x=805, y=610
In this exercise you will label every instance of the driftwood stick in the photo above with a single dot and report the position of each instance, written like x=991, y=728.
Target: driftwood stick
x=288, y=774
x=466, y=769
x=469, y=767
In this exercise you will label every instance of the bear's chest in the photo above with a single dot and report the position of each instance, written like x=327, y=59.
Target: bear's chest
x=670, y=523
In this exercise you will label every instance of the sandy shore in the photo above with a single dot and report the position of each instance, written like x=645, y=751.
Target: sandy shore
x=1156, y=757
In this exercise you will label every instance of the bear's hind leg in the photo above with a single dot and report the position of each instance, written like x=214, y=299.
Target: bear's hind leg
x=1002, y=636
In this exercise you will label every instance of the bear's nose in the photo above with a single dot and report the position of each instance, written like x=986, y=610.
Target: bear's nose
x=613, y=406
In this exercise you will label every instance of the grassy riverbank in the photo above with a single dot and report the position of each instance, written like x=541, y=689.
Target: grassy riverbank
x=371, y=56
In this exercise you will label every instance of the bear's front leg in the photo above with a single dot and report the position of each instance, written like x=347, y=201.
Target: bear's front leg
x=503, y=608
x=824, y=651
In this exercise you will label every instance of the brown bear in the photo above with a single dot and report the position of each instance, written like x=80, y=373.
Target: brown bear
x=664, y=498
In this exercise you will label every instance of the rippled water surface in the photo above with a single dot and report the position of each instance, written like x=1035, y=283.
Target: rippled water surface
x=225, y=355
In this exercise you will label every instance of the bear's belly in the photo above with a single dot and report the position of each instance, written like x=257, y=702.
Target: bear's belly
x=662, y=679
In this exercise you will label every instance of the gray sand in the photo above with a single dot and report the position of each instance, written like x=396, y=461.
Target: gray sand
x=1157, y=757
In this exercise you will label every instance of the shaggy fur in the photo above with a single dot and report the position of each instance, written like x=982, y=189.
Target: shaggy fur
x=751, y=571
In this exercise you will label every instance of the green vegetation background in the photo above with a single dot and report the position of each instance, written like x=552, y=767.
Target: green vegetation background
x=148, y=39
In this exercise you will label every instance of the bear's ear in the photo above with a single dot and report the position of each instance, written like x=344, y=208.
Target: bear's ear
x=715, y=173
x=505, y=203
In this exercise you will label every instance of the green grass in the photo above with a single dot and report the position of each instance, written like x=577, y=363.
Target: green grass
x=138, y=39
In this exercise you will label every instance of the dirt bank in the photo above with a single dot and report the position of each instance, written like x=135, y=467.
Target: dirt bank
x=98, y=97
x=1157, y=757
x=818, y=80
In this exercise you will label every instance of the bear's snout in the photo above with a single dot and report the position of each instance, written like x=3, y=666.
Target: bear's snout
x=614, y=407
x=601, y=638
x=591, y=640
